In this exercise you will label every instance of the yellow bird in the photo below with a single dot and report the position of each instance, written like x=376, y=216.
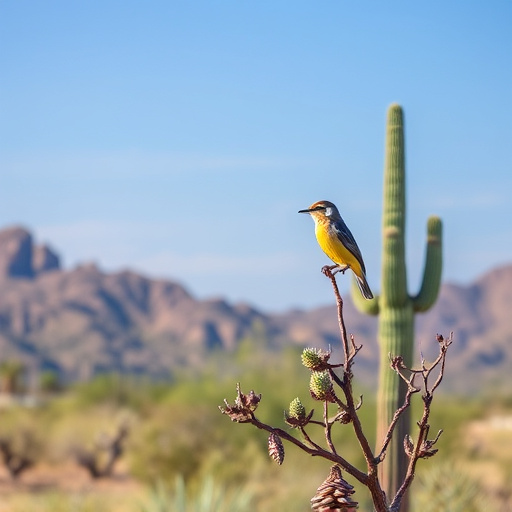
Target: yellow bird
x=338, y=243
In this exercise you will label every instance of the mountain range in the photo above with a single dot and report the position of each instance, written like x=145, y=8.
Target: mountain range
x=83, y=321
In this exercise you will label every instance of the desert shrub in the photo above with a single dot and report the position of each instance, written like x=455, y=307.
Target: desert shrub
x=73, y=429
x=123, y=391
x=49, y=382
x=22, y=440
x=448, y=487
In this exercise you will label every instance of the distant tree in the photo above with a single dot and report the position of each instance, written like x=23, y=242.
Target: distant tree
x=18, y=453
x=10, y=376
x=49, y=382
x=100, y=460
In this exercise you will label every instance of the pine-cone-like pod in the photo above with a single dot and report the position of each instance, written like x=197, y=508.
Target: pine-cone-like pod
x=315, y=359
x=320, y=386
x=334, y=494
x=275, y=448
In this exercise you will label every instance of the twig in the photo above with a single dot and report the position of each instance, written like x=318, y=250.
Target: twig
x=328, y=428
x=423, y=448
x=373, y=484
x=308, y=439
x=315, y=452
x=339, y=302
x=407, y=402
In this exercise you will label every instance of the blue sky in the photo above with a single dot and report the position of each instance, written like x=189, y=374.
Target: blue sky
x=179, y=138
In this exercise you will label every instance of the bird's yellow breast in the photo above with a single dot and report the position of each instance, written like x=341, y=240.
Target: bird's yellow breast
x=332, y=246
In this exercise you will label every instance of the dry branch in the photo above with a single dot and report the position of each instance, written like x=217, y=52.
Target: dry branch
x=325, y=384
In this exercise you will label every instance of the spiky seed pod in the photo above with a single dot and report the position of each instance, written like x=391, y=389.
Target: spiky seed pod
x=334, y=494
x=297, y=410
x=320, y=386
x=315, y=359
x=296, y=414
x=275, y=448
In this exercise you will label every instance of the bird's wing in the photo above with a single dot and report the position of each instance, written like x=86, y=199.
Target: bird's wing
x=347, y=239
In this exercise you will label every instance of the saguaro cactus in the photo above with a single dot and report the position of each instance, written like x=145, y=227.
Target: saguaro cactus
x=394, y=306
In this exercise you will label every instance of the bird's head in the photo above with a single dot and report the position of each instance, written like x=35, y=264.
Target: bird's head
x=322, y=210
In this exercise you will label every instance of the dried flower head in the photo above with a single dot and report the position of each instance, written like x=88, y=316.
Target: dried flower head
x=408, y=445
x=244, y=406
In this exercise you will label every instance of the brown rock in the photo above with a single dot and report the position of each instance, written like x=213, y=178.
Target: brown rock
x=16, y=253
x=44, y=259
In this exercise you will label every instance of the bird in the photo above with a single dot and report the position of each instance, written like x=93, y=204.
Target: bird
x=336, y=240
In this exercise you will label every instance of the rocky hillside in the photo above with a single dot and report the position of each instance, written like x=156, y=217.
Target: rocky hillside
x=84, y=321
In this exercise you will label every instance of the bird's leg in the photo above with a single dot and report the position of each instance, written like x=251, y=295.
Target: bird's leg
x=328, y=269
x=339, y=268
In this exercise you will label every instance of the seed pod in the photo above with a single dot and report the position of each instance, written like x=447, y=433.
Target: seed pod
x=276, y=448
x=315, y=359
x=297, y=410
x=334, y=494
x=320, y=386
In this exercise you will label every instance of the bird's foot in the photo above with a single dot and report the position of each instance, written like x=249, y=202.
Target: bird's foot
x=327, y=270
x=339, y=268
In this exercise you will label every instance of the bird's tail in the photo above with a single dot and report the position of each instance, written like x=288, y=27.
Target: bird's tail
x=364, y=287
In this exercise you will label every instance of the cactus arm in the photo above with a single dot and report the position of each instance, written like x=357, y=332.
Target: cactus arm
x=370, y=307
x=433, y=265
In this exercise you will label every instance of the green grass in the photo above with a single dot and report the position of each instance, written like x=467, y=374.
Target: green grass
x=208, y=496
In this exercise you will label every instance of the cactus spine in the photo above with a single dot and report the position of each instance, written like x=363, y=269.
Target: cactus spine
x=394, y=306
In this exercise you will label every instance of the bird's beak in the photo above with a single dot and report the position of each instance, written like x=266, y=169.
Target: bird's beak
x=304, y=211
